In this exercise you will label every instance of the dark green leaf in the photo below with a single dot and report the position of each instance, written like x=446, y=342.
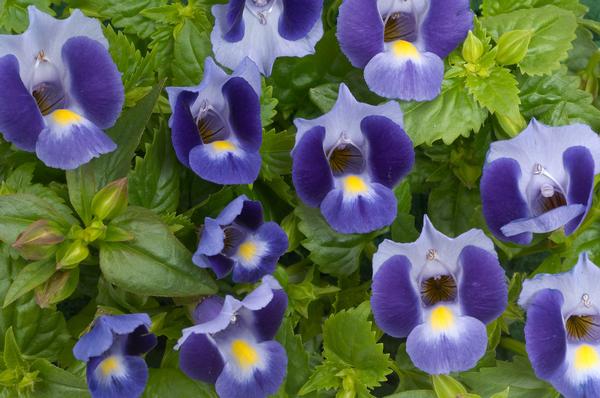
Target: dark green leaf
x=190, y=49
x=167, y=382
x=31, y=276
x=58, y=383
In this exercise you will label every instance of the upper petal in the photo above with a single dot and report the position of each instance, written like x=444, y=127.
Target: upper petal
x=244, y=112
x=299, y=18
x=446, y=25
x=579, y=165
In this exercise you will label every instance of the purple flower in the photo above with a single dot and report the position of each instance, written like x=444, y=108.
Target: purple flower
x=562, y=332
x=264, y=30
x=232, y=344
x=239, y=240
x=540, y=181
x=348, y=161
x=216, y=127
x=60, y=88
x=112, y=350
x=401, y=43
x=439, y=293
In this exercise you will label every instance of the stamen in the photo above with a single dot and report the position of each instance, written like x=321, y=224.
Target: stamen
x=431, y=254
x=551, y=194
x=586, y=300
x=260, y=9
x=437, y=289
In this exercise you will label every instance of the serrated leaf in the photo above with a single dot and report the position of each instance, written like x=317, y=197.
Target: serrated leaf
x=298, y=369
x=268, y=104
x=498, y=91
x=13, y=13
x=57, y=383
x=452, y=114
x=553, y=30
x=495, y=7
x=191, y=47
x=275, y=153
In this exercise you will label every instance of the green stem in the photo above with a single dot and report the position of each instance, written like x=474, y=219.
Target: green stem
x=516, y=346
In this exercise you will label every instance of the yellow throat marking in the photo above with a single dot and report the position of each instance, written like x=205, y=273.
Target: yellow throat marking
x=247, y=251
x=65, y=117
x=244, y=353
x=441, y=318
x=109, y=366
x=586, y=357
x=403, y=48
x=223, y=146
x=354, y=184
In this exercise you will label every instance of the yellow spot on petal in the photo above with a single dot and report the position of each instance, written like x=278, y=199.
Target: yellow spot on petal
x=441, y=318
x=247, y=251
x=65, y=117
x=244, y=353
x=109, y=366
x=403, y=48
x=223, y=146
x=586, y=357
x=355, y=184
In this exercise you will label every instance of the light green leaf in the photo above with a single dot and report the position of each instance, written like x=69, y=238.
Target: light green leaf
x=447, y=387
x=13, y=13
x=31, y=276
x=166, y=382
x=453, y=114
x=498, y=92
x=495, y=7
x=12, y=354
x=155, y=263
x=324, y=96
x=81, y=183
x=58, y=383
x=413, y=394
x=191, y=48
x=268, y=104
x=502, y=394
x=553, y=30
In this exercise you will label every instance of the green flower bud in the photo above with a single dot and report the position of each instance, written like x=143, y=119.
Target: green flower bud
x=111, y=200
x=116, y=234
x=38, y=241
x=70, y=256
x=511, y=124
x=513, y=46
x=589, y=83
x=472, y=48
x=59, y=287
x=96, y=230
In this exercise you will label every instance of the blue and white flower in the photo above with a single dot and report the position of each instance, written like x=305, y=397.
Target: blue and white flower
x=60, y=89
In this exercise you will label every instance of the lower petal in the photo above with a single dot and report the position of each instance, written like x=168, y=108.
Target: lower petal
x=69, y=140
x=200, y=359
x=225, y=166
x=20, y=119
x=360, y=213
x=457, y=348
x=547, y=222
x=579, y=165
x=416, y=78
x=117, y=376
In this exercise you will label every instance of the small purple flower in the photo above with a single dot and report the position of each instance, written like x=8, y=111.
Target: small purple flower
x=264, y=30
x=562, y=331
x=401, y=43
x=216, y=127
x=439, y=293
x=60, y=88
x=232, y=344
x=112, y=350
x=239, y=240
x=540, y=181
x=348, y=161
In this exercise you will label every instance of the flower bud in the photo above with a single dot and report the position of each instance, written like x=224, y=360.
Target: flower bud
x=96, y=230
x=59, y=287
x=511, y=124
x=472, y=48
x=70, y=256
x=38, y=241
x=513, y=46
x=116, y=234
x=111, y=200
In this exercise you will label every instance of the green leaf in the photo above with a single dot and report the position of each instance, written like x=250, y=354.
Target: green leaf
x=268, y=104
x=13, y=13
x=498, y=92
x=155, y=263
x=447, y=387
x=166, y=382
x=154, y=183
x=58, y=383
x=557, y=100
x=12, y=354
x=81, y=183
x=553, y=30
x=495, y=7
x=336, y=254
x=324, y=96
x=451, y=206
x=31, y=276
x=502, y=394
x=298, y=369
x=275, y=153
x=452, y=114
x=413, y=394
x=189, y=52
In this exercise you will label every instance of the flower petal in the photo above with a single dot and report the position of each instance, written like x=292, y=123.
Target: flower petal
x=547, y=222
x=140, y=341
x=184, y=132
x=208, y=309
x=395, y=303
x=117, y=376
x=266, y=321
x=233, y=165
x=211, y=241
x=360, y=31
x=200, y=359
x=579, y=165
x=446, y=25
x=251, y=216
x=235, y=21
x=298, y=18
x=244, y=112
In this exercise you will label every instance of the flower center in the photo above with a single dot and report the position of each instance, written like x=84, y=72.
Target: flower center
x=47, y=90
x=233, y=239
x=550, y=194
x=345, y=157
x=403, y=48
x=399, y=26
x=244, y=353
x=586, y=357
x=355, y=185
x=441, y=318
x=211, y=126
x=583, y=327
x=247, y=251
x=439, y=288
x=109, y=366
x=65, y=117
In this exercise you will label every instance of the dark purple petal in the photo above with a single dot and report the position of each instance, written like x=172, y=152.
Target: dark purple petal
x=208, y=309
x=221, y=265
x=140, y=341
x=310, y=170
x=545, y=336
x=579, y=165
x=131, y=385
x=244, y=112
x=446, y=25
x=418, y=79
x=20, y=119
x=262, y=382
x=394, y=301
x=298, y=18
x=235, y=21
x=446, y=353
x=251, y=215
x=95, y=82
x=483, y=292
x=68, y=147
x=268, y=319
x=391, y=153
x=360, y=31
x=184, y=132
x=238, y=167
x=362, y=214
x=232, y=210
x=200, y=359
x=502, y=200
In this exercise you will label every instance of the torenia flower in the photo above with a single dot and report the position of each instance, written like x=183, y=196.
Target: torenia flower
x=264, y=30
x=401, y=43
x=439, y=292
x=216, y=127
x=60, y=87
x=562, y=331
x=239, y=240
x=232, y=344
x=348, y=161
x=112, y=350
x=540, y=181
